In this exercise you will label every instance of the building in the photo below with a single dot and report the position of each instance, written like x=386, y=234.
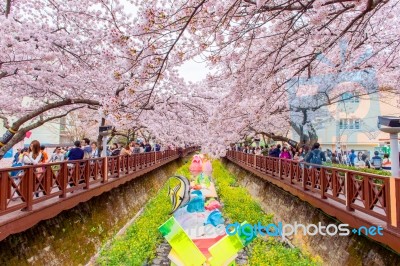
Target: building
x=352, y=122
x=49, y=133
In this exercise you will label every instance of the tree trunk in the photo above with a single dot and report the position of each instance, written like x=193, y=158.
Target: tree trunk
x=100, y=138
x=306, y=138
x=312, y=136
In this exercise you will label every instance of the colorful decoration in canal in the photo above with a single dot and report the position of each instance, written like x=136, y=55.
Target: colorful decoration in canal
x=180, y=194
x=203, y=180
x=207, y=167
x=197, y=165
x=196, y=203
x=212, y=204
x=195, y=207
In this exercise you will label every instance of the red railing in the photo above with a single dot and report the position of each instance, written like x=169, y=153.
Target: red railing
x=370, y=194
x=21, y=188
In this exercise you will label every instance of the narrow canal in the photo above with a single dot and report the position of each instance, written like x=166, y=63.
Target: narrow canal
x=122, y=227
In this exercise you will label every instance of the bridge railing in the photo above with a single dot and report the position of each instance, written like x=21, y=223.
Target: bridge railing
x=375, y=195
x=21, y=188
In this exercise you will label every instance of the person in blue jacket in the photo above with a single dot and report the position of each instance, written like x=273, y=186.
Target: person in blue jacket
x=76, y=153
x=352, y=157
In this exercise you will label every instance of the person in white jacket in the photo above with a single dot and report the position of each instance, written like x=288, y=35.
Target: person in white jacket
x=33, y=156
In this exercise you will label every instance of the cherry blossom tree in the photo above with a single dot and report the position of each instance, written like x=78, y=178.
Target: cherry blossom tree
x=259, y=47
x=262, y=53
x=54, y=59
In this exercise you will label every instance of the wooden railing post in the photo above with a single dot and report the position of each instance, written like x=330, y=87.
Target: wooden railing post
x=322, y=182
x=76, y=174
x=349, y=190
x=334, y=181
x=291, y=173
x=303, y=177
x=64, y=179
x=280, y=169
x=4, y=186
x=118, y=166
x=105, y=170
x=393, y=204
x=28, y=183
x=48, y=179
x=129, y=164
x=366, y=194
x=96, y=169
x=87, y=174
x=265, y=164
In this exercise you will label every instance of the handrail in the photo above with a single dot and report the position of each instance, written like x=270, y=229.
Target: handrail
x=370, y=194
x=21, y=188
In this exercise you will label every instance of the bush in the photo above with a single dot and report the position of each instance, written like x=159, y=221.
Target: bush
x=364, y=170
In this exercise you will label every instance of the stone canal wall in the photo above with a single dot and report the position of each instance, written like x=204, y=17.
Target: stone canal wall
x=288, y=209
x=75, y=235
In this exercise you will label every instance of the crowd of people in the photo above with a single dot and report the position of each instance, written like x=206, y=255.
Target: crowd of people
x=315, y=155
x=84, y=149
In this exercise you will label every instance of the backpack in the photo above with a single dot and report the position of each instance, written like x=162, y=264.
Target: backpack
x=377, y=163
x=316, y=157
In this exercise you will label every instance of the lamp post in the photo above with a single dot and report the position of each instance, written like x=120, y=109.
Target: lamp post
x=105, y=131
x=257, y=141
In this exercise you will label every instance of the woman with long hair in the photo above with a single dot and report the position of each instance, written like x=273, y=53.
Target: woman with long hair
x=126, y=150
x=33, y=156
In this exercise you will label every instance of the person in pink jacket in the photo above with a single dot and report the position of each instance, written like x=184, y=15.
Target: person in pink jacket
x=285, y=154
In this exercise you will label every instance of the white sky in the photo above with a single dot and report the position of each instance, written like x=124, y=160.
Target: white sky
x=193, y=71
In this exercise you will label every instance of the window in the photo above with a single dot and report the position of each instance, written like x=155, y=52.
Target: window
x=345, y=122
x=357, y=124
x=351, y=97
x=352, y=124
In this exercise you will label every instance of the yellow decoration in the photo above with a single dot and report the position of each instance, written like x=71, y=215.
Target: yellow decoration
x=223, y=251
x=183, y=246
